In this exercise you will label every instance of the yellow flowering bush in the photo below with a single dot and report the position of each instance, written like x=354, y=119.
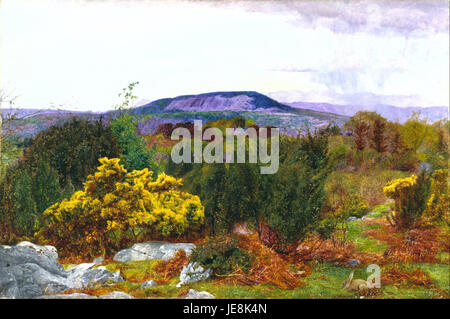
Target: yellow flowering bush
x=118, y=207
x=410, y=195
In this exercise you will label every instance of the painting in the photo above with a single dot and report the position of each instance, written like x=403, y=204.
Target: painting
x=232, y=150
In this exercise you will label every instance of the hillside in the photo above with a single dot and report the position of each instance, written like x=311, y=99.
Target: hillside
x=390, y=112
x=239, y=101
x=215, y=105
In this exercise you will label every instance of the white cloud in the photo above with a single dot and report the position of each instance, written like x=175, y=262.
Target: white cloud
x=82, y=53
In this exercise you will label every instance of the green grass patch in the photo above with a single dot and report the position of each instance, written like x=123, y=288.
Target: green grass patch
x=362, y=242
x=439, y=273
x=379, y=210
x=325, y=282
x=136, y=270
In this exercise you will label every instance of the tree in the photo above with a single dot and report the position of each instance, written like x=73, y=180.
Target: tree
x=68, y=189
x=379, y=134
x=135, y=153
x=46, y=187
x=212, y=190
x=241, y=195
x=293, y=206
x=124, y=129
x=417, y=133
x=26, y=217
x=368, y=130
x=72, y=149
x=359, y=127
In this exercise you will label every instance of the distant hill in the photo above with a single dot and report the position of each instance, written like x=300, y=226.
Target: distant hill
x=239, y=101
x=206, y=107
x=392, y=113
x=21, y=113
x=29, y=122
x=215, y=105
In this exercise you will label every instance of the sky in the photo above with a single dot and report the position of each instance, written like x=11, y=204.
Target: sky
x=79, y=54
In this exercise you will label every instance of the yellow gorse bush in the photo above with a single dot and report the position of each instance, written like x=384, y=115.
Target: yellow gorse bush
x=117, y=207
x=396, y=187
x=411, y=195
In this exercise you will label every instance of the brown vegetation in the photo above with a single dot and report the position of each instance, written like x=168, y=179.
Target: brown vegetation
x=268, y=267
x=172, y=267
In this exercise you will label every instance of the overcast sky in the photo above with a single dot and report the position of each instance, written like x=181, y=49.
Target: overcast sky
x=79, y=54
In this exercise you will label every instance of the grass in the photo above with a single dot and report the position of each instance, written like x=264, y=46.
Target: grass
x=439, y=273
x=325, y=281
x=136, y=271
x=379, y=210
x=362, y=242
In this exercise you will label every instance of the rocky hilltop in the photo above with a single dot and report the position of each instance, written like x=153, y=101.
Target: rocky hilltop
x=238, y=101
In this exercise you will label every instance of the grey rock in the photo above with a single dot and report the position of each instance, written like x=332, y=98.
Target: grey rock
x=68, y=296
x=194, y=294
x=47, y=250
x=152, y=250
x=352, y=218
x=116, y=295
x=193, y=272
x=353, y=262
x=148, y=284
x=28, y=270
x=85, y=275
x=98, y=260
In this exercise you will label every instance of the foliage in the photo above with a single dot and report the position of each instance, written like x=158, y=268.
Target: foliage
x=135, y=153
x=353, y=206
x=222, y=255
x=72, y=149
x=288, y=201
x=172, y=267
x=26, y=218
x=117, y=207
x=293, y=201
x=438, y=205
x=267, y=266
x=46, y=187
x=54, y=164
x=411, y=197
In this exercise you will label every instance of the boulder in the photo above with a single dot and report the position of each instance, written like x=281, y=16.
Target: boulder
x=85, y=275
x=148, y=284
x=68, y=296
x=194, y=294
x=193, y=272
x=111, y=295
x=116, y=295
x=353, y=262
x=152, y=250
x=28, y=270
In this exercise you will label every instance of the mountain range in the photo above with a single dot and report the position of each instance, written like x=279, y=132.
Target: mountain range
x=390, y=112
x=264, y=110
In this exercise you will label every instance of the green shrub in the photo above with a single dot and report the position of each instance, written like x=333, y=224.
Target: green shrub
x=222, y=255
x=354, y=206
x=438, y=206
